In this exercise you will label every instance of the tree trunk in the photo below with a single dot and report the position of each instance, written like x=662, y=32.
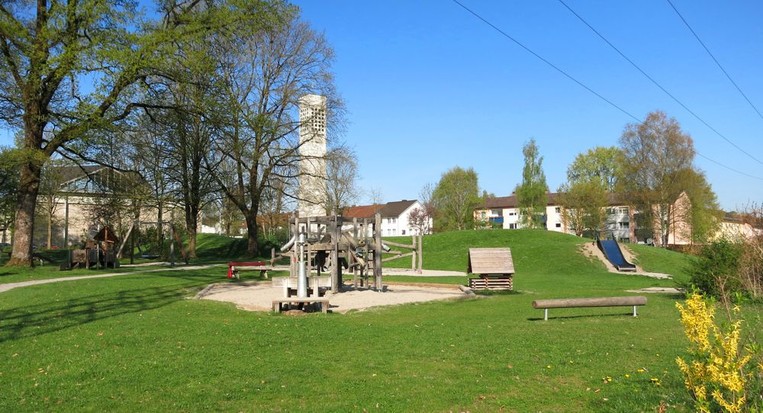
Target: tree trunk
x=50, y=223
x=23, y=235
x=191, y=225
x=252, y=247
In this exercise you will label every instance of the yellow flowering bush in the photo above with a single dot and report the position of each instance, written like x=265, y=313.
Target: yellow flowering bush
x=717, y=373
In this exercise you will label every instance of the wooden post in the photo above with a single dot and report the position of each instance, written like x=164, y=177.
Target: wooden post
x=352, y=253
x=413, y=250
x=377, y=253
x=336, y=232
x=421, y=253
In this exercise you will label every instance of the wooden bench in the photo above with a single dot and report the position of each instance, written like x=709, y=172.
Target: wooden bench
x=233, y=268
x=278, y=305
x=626, y=301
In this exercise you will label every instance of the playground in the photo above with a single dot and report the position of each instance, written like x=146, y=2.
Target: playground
x=258, y=296
x=138, y=339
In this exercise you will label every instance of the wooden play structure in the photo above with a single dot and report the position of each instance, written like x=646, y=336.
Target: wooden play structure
x=494, y=266
x=100, y=252
x=334, y=244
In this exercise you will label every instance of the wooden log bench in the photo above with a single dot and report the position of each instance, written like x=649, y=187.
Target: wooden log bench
x=279, y=304
x=234, y=267
x=626, y=301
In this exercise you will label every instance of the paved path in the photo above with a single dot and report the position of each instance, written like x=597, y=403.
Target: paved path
x=10, y=286
x=385, y=271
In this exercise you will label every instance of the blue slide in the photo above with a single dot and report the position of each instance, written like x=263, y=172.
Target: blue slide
x=613, y=253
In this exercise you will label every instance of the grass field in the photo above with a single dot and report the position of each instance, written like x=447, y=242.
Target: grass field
x=136, y=342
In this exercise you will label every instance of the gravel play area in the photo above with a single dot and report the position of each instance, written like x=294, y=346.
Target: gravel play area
x=259, y=296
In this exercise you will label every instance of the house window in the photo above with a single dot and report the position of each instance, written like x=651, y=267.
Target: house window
x=624, y=225
x=512, y=226
x=558, y=210
x=624, y=210
x=558, y=224
x=402, y=233
x=511, y=214
x=610, y=211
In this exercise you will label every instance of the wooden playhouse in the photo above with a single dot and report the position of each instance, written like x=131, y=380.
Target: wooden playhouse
x=494, y=268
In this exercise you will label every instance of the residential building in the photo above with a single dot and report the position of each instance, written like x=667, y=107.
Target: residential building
x=504, y=212
x=394, y=216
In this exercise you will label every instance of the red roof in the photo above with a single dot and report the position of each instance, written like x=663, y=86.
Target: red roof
x=361, y=211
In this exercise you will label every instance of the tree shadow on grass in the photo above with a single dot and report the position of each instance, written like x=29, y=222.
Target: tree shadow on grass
x=38, y=319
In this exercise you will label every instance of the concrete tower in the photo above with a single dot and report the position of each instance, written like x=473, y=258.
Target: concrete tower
x=312, y=151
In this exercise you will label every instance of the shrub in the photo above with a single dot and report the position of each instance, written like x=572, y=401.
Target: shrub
x=716, y=272
x=718, y=374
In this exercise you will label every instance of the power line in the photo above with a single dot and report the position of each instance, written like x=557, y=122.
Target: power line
x=728, y=167
x=658, y=84
x=568, y=76
x=696, y=36
x=506, y=35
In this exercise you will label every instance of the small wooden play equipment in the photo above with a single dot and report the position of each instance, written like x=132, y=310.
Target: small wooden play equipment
x=494, y=266
x=627, y=301
x=234, y=267
x=98, y=252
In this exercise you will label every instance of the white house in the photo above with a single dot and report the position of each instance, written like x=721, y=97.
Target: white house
x=394, y=216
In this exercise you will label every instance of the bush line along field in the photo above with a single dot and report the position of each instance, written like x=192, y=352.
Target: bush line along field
x=136, y=342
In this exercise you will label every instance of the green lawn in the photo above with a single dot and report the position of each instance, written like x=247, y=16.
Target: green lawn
x=136, y=342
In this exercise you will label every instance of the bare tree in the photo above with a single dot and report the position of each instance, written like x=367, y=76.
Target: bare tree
x=654, y=153
x=421, y=219
x=265, y=74
x=341, y=180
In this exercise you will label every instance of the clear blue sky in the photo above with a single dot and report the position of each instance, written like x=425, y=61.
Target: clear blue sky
x=429, y=87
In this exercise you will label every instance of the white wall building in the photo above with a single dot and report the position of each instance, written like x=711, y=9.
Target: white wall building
x=504, y=212
x=394, y=216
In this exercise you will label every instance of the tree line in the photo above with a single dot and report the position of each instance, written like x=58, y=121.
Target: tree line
x=199, y=97
x=652, y=166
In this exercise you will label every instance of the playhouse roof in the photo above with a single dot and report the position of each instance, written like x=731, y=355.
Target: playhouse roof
x=490, y=261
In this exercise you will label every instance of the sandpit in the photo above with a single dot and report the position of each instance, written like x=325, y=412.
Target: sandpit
x=259, y=296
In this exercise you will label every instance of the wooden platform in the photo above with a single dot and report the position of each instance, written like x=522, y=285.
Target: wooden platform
x=491, y=283
x=279, y=304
